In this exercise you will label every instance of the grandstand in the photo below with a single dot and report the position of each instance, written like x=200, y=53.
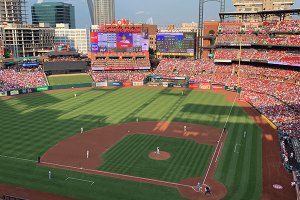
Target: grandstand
x=266, y=70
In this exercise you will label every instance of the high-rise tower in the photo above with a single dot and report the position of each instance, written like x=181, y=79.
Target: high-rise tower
x=102, y=11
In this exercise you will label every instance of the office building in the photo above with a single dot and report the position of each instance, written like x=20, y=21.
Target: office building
x=101, y=11
x=53, y=13
x=13, y=11
x=77, y=39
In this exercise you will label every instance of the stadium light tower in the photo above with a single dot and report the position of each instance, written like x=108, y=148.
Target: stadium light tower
x=199, y=50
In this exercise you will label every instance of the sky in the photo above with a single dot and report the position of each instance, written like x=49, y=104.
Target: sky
x=161, y=12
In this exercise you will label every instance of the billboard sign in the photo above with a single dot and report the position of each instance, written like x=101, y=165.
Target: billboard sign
x=119, y=42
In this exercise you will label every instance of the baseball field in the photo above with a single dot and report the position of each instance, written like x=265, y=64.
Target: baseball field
x=139, y=120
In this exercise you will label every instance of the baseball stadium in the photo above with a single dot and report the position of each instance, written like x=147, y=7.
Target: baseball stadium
x=112, y=125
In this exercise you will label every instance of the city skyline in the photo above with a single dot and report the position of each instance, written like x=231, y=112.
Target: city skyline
x=137, y=11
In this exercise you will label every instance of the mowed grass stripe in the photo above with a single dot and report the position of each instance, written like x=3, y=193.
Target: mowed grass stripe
x=128, y=154
x=170, y=171
x=59, y=115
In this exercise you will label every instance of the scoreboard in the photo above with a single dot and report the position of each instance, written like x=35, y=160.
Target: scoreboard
x=119, y=42
x=176, y=43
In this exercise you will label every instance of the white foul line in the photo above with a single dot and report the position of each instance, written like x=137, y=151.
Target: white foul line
x=116, y=174
x=15, y=158
x=234, y=148
x=78, y=179
x=98, y=171
x=212, y=159
x=219, y=152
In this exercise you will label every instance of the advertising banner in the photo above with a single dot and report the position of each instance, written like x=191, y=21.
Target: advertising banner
x=116, y=84
x=14, y=92
x=94, y=37
x=153, y=84
x=193, y=86
x=137, y=83
x=165, y=84
x=42, y=88
x=217, y=87
x=101, y=84
x=2, y=94
x=126, y=84
x=25, y=91
x=205, y=86
x=94, y=47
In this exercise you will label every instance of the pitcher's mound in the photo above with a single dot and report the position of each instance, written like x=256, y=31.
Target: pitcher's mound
x=161, y=156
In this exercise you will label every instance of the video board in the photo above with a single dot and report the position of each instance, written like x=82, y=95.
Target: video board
x=119, y=42
x=176, y=43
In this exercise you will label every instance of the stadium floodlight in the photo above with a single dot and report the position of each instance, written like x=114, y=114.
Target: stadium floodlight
x=200, y=25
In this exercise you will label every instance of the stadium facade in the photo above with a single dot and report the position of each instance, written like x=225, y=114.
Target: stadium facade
x=261, y=5
x=101, y=11
x=53, y=13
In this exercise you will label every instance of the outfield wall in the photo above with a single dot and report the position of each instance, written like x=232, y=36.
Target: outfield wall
x=191, y=85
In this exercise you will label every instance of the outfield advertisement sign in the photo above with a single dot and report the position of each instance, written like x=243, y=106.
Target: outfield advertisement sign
x=193, y=86
x=205, y=86
x=115, y=84
x=14, y=92
x=217, y=87
x=126, y=84
x=165, y=84
x=137, y=83
x=25, y=91
x=42, y=88
x=2, y=94
x=101, y=84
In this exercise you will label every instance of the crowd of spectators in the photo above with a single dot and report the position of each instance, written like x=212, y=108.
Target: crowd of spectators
x=121, y=63
x=11, y=79
x=288, y=26
x=194, y=69
x=260, y=55
x=120, y=76
x=249, y=39
x=273, y=91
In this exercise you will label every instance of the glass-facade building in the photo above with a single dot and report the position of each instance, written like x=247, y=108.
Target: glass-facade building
x=53, y=13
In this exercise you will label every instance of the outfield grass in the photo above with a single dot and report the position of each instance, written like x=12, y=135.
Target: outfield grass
x=30, y=125
x=130, y=156
x=69, y=79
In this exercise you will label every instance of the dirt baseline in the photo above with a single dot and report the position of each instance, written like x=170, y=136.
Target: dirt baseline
x=71, y=153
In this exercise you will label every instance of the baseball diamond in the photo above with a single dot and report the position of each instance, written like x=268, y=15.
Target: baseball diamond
x=49, y=125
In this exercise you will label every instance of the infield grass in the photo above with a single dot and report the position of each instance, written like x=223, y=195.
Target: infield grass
x=30, y=125
x=69, y=79
x=130, y=156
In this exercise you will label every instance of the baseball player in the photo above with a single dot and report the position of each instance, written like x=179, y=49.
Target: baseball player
x=184, y=128
x=207, y=190
x=199, y=187
x=87, y=154
x=157, y=150
x=75, y=95
x=81, y=130
x=49, y=173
